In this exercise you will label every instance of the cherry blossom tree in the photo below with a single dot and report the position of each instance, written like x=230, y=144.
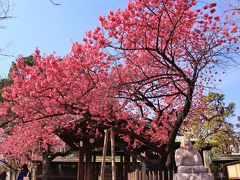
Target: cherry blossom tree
x=22, y=142
x=166, y=52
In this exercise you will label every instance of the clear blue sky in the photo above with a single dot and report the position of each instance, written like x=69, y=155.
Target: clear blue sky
x=38, y=23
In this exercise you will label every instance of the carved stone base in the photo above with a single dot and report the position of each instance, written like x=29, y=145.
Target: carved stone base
x=192, y=169
x=193, y=176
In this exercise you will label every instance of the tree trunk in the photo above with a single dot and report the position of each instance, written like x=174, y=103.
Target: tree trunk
x=45, y=166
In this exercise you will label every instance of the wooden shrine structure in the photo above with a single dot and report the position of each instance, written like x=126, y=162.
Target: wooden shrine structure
x=107, y=157
x=101, y=158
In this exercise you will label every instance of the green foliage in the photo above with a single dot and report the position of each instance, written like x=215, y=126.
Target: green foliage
x=238, y=123
x=28, y=61
x=210, y=127
x=4, y=83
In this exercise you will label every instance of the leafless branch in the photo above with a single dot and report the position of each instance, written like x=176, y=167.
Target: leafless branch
x=6, y=55
x=56, y=4
x=2, y=52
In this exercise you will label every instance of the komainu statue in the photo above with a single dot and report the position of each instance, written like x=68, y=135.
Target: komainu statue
x=189, y=163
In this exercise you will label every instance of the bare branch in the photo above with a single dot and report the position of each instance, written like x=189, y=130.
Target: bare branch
x=56, y=4
x=6, y=55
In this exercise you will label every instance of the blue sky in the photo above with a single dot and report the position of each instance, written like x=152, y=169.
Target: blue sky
x=38, y=23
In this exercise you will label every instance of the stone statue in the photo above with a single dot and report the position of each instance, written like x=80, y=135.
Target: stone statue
x=189, y=163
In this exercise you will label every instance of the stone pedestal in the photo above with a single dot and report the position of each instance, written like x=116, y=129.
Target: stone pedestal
x=192, y=169
x=193, y=176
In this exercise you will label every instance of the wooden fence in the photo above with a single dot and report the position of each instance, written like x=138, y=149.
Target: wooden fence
x=146, y=175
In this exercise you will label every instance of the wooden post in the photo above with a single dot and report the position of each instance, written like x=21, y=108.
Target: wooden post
x=134, y=162
x=113, y=154
x=149, y=175
x=169, y=174
x=143, y=169
x=106, y=138
x=80, y=174
x=45, y=165
x=95, y=169
x=206, y=159
x=12, y=174
x=163, y=175
x=136, y=174
x=34, y=173
x=126, y=164
x=88, y=163
x=121, y=168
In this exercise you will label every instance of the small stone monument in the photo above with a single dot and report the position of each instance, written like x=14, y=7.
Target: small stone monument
x=189, y=163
